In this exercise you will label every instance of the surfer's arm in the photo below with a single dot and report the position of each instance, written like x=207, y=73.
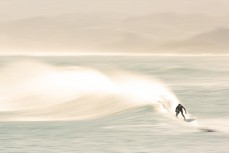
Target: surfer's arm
x=185, y=110
x=176, y=109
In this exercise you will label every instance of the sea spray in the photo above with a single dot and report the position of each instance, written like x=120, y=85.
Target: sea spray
x=32, y=90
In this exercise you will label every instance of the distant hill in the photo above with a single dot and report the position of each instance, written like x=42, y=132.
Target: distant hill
x=216, y=41
x=113, y=33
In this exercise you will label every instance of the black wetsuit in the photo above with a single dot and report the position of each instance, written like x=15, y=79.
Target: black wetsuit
x=179, y=109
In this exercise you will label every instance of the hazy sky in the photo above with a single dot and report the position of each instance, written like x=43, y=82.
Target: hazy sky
x=114, y=26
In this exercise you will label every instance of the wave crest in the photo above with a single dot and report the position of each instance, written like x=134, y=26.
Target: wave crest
x=37, y=91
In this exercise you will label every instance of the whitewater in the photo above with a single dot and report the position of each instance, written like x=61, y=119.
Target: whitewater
x=36, y=91
x=119, y=101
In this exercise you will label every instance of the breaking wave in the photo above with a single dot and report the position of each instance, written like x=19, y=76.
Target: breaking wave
x=36, y=91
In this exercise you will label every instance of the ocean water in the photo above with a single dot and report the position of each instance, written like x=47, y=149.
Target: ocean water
x=113, y=104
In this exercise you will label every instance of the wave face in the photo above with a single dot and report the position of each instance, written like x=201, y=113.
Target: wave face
x=37, y=91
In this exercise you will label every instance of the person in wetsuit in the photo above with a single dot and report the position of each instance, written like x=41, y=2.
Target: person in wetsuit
x=179, y=109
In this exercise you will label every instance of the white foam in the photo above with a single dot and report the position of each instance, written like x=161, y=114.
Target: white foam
x=37, y=91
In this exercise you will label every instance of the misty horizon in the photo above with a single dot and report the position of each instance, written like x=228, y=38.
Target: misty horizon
x=114, y=27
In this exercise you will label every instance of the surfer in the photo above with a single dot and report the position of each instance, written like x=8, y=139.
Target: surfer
x=179, y=109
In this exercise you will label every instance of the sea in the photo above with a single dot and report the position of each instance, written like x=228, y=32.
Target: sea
x=114, y=104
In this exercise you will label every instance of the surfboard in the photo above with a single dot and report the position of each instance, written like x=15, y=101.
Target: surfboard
x=190, y=120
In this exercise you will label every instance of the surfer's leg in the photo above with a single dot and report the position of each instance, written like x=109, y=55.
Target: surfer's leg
x=177, y=114
x=183, y=114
